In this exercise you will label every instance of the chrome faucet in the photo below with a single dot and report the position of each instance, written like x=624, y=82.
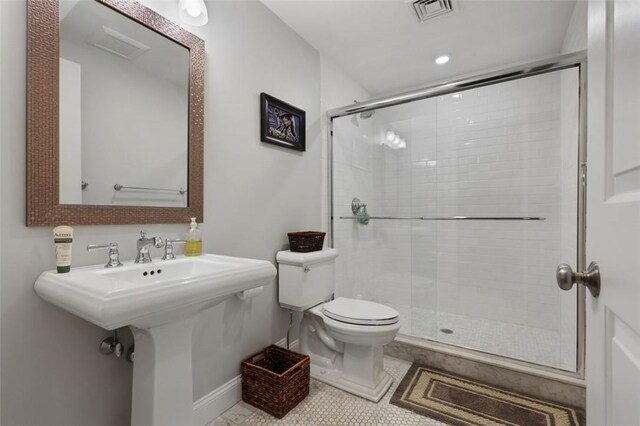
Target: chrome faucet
x=114, y=255
x=143, y=246
x=168, y=248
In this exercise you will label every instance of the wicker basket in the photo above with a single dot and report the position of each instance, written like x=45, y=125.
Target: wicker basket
x=306, y=241
x=275, y=380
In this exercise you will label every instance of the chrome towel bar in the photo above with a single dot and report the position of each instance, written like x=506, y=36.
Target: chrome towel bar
x=450, y=218
x=119, y=187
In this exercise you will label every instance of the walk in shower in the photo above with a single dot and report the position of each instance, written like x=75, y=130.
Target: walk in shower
x=473, y=196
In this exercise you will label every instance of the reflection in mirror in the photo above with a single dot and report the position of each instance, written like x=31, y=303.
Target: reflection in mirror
x=124, y=102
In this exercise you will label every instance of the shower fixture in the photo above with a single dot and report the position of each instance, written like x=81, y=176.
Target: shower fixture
x=359, y=210
x=365, y=115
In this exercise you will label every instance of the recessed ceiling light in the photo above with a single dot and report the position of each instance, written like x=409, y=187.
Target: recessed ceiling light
x=442, y=59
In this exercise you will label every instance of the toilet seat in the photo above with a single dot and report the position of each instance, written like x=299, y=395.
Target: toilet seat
x=360, y=312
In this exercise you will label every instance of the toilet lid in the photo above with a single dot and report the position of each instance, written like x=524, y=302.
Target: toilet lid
x=360, y=312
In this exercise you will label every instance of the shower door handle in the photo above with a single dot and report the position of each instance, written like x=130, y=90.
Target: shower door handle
x=590, y=278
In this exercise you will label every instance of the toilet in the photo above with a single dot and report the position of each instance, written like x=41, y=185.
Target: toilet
x=343, y=337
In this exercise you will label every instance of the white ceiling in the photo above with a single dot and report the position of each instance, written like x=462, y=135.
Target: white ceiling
x=381, y=44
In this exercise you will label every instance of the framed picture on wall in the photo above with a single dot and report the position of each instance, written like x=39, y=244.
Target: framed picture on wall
x=281, y=124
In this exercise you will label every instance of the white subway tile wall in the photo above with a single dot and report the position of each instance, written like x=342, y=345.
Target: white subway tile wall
x=503, y=150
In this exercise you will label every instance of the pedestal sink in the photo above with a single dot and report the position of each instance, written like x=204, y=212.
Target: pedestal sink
x=160, y=302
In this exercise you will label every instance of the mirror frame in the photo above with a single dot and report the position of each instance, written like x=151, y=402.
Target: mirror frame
x=43, y=50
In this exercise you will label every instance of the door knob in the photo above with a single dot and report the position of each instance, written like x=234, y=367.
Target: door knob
x=590, y=278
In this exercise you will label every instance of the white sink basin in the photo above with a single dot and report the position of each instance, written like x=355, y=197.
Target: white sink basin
x=137, y=294
x=160, y=301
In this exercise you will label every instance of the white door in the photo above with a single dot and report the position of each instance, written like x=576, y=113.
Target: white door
x=613, y=212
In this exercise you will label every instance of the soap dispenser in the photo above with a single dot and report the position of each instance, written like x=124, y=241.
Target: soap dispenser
x=193, y=245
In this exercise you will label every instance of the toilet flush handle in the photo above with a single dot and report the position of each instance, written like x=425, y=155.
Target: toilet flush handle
x=306, y=269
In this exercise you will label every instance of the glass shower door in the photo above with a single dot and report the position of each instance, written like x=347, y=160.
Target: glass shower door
x=474, y=201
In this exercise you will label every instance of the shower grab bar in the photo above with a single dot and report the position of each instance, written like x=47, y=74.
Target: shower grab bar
x=119, y=187
x=450, y=218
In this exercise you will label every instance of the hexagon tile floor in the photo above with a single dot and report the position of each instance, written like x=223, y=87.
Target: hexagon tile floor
x=327, y=405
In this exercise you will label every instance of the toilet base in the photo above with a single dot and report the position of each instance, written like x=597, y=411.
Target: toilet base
x=335, y=378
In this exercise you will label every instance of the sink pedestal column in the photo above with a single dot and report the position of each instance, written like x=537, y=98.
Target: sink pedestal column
x=162, y=375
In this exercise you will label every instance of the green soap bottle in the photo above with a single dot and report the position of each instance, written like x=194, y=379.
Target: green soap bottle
x=193, y=246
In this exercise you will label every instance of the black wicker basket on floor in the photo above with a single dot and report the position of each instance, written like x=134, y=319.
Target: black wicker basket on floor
x=275, y=380
x=306, y=241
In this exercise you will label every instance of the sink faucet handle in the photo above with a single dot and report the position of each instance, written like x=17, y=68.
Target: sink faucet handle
x=143, y=235
x=168, y=248
x=114, y=254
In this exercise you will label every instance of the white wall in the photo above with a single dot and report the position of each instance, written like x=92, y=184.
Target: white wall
x=70, y=132
x=52, y=372
x=575, y=38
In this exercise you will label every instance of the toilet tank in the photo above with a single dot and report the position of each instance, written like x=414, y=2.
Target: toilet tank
x=305, y=279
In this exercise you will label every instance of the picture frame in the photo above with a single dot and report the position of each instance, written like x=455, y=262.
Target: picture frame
x=282, y=124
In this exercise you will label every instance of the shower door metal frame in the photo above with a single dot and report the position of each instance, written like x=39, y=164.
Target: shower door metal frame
x=515, y=72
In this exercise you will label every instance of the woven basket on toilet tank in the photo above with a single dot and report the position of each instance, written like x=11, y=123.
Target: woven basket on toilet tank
x=306, y=241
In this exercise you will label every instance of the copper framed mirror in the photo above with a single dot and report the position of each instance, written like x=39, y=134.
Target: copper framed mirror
x=115, y=115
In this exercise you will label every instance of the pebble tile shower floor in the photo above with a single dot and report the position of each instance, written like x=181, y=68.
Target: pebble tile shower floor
x=327, y=405
x=531, y=344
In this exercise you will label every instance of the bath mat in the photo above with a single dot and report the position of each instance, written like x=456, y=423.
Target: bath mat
x=461, y=401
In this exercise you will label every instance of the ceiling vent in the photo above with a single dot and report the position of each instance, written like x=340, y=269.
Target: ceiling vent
x=427, y=9
x=119, y=44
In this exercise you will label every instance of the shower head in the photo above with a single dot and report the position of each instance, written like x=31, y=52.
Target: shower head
x=367, y=114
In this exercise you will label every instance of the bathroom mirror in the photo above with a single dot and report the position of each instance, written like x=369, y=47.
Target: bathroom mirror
x=115, y=115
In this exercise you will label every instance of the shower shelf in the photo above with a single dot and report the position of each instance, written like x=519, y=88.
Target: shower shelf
x=450, y=218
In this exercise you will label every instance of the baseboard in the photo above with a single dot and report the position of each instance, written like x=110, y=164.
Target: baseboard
x=226, y=396
x=217, y=402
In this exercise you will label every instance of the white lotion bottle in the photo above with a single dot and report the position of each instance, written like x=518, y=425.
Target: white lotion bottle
x=62, y=239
